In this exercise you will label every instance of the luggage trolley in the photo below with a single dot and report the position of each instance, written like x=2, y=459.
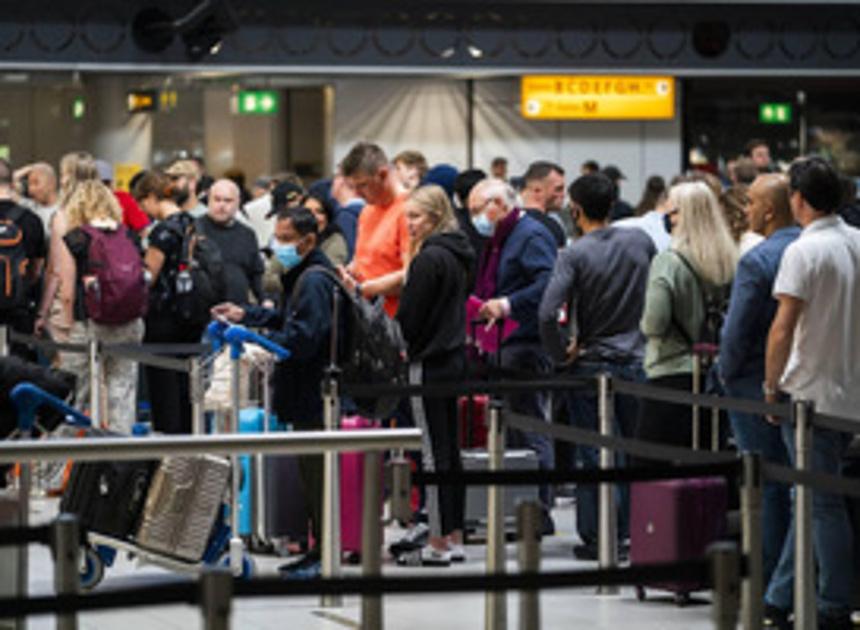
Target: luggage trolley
x=223, y=545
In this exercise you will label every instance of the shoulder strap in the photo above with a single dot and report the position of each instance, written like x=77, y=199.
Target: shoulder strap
x=16, y=212
x=678, y=326
x=331, y=273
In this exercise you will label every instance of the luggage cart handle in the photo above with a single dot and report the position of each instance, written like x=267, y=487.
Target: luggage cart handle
x=237, y=336
x=27, y=399
x=215, y=333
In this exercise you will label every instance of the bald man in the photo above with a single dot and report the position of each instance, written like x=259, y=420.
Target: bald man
x=742, y=346
x=240, y=250
x=41, y=190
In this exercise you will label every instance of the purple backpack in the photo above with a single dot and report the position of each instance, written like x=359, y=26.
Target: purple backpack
x=115, y=289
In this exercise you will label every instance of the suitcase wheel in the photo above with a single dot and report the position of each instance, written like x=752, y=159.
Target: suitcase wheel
x=682, y=599
x=640, y=593
x=248, y=566
x=92, y=569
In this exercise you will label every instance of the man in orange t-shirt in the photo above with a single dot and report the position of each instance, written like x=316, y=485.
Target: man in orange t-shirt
x=382, y=243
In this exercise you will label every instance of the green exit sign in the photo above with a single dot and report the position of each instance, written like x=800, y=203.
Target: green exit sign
x=79, y=108
x=257, y=102
x=775, y=113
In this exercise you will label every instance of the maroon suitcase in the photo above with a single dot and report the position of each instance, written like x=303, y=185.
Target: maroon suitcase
x=674, y=521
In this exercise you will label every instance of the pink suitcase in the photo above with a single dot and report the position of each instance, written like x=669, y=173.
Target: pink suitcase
x=352, y=492
x=674, y=521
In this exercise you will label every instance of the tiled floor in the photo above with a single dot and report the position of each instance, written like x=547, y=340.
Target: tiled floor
x=562, y=610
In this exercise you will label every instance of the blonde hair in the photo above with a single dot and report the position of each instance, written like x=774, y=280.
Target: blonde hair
x=702, y=235
x=75, y=167
x=91, y=201
x=433, y=201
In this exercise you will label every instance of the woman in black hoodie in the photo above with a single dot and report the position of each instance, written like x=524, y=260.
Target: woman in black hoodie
x=432, y=315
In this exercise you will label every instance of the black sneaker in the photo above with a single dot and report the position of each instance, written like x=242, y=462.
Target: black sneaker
x=776, y=617
x=585, y=551
x=835, y=621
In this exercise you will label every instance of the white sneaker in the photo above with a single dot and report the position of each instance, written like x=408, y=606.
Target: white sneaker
x=432, y=557
x=458, y=553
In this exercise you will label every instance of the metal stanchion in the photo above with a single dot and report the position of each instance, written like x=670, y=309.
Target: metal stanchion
x=330, y=543
x=216, y=592
x=752, y=594
x=401, y=487
x=66, y=548
x=697, y=377
x=236, y=546
x=495, y=604
x=195, y=378
x=25, y=482
x=259, y=461
x=371, y=540
x=726, y=575
x=4, y=341
x=804, y=565
x=528, y=527
x=607, y=552
x=95, y=382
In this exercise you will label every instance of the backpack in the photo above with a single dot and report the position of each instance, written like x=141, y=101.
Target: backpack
x=715, y=300
x=117, y=292
x=372, y=350
x=13, y=261
x=198, y=283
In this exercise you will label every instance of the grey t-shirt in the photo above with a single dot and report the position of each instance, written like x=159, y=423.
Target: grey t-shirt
x=601, y=281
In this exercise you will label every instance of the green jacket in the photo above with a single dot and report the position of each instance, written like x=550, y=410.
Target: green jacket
x=672, y=299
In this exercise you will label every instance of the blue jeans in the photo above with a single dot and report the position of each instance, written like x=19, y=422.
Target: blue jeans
x=582, y=407
x=530, y=357
x=831, y=533
x=755, y=434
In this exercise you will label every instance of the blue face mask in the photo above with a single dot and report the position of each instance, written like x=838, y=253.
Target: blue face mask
x=483, y=225
x=287, y=255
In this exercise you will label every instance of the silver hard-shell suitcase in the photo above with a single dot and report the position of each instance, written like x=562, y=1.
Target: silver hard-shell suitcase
x=182, y=504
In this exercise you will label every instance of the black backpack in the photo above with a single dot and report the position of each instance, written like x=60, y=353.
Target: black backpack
x=198, y=282
x=371, y=349
x=13, y=261
x=715, y=301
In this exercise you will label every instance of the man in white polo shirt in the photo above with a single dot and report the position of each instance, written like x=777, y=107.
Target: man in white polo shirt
x=813, y=353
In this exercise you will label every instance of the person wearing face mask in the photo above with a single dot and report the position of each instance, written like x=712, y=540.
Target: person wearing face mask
x=513, y=272
x=302, y=325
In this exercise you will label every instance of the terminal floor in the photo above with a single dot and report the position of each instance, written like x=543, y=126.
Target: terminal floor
x=560, y=609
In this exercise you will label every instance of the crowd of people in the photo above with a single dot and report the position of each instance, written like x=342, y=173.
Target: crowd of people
x=761, y=262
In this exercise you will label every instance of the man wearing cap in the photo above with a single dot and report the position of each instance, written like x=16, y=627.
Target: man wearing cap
x=133, y=217
x=185, y=176
x=620, y=208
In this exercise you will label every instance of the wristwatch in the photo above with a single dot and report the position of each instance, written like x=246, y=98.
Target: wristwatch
x=768, y=391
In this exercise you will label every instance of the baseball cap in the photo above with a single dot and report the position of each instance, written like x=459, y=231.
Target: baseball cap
x=613, y=172
x=182, y=168
x=284, y=194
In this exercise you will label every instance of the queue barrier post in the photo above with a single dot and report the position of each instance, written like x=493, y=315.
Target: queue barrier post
x=752, y=590
x=236, y=548
x=495, y=603
x=330, y=544
x=401, y=487
x=608, y=522
x=95, y=365
x=66, y=548
x=197, y=390
x=805, y=612
x=528, y=527
x=216, y=593
x=726, y=576
x=4, y=341
x=371, y=540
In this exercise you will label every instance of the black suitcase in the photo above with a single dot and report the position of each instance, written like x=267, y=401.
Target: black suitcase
x=108, y=497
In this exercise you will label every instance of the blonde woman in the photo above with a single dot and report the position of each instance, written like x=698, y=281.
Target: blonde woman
x=110, y=311
x=432, y=316
x=702, y=258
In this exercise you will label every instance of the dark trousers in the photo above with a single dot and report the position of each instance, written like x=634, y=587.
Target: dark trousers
x=440, y=445
x=169, y=391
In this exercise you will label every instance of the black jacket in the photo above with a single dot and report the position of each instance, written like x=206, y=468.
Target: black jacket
x=432, y=311
x=303, y=326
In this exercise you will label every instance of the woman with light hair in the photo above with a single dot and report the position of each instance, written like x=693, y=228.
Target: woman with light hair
x=432, y=316
x=111, y=312
x=696, y=269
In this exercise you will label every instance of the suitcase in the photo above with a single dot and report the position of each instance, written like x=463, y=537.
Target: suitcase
x=476, y=496
x=675, y=521
x=108, y=497
x=472, y=417
x=183, y=502
x=352, y=491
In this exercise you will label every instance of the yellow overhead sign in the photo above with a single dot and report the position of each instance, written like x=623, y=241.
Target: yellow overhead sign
x=595, y=97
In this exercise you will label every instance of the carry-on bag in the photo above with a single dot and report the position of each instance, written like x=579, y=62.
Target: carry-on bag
x=183, y=501
x=352, y=491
